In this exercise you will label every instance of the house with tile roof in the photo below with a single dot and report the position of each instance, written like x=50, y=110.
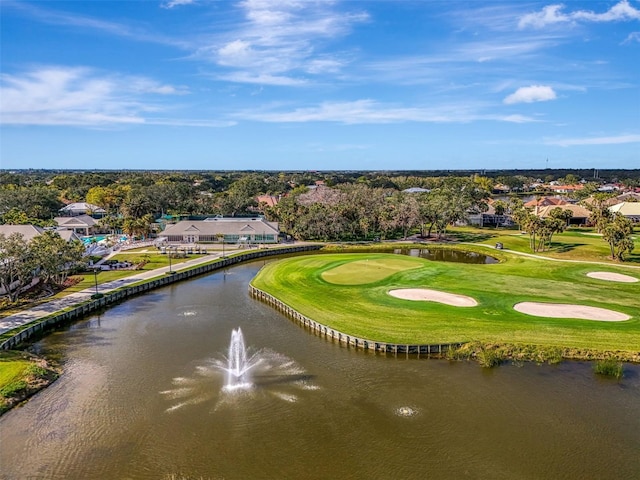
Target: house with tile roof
x=545, y=201
x=631, y=210
x=268, y=200
x=579, y=214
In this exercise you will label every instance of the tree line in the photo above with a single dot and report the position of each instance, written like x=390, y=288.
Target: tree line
x=47, y=257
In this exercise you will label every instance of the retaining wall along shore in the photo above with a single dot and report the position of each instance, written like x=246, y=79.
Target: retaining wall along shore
x=37, y=328
x=349, y=340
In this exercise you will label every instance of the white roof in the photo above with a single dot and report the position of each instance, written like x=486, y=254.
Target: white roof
x=83, y=207
x=416, y=190
x=627, y=209
x=226, y=226
x=27, y=231
x=79, y=221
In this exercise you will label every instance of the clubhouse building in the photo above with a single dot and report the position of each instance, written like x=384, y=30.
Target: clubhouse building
x=231, y=229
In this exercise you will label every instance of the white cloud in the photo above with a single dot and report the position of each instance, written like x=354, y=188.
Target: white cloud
x=553, y=14
x=568, y=142
x=79, y=96
x=176, y=3
x=262, y=79
x=631, y=38
x=54, y=17
x=367, y=111
x=534, y=93
x=281, y=39
x=549, y=15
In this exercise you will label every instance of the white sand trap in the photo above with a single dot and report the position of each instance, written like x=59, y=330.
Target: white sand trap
x=424, y=294
x=562, y=310
x=612, y=277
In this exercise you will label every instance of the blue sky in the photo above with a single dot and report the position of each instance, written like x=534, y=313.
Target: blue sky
x=319, y=85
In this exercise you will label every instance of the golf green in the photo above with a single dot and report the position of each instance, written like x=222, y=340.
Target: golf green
x=350, y=293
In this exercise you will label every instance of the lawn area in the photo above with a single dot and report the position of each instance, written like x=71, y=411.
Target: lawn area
x=151, y=262
x=326, y=289
x=573, y=244
x=148, y=262
x=21, y=375
x=12, y=368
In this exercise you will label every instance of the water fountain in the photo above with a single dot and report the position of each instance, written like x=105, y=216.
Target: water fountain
x=239, y=364
x=248, y=374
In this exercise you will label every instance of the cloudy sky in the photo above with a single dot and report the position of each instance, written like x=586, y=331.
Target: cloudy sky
x=302, y=84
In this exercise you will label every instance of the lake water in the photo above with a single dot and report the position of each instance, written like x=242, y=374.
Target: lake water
x=142, y=398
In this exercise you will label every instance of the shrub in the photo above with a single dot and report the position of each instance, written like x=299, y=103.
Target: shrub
x=489, y=358
x=609, y=367
x=13, y=388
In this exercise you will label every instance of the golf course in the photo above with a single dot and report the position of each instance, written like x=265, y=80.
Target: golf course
x=411, y=300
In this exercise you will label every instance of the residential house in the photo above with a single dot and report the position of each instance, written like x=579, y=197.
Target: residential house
x=268, y=200
x=490, y=218
x=610, y=202
x=81, y=224
x=83, y=208
x=232, y=229
x=631, y=210
x=579, y=214
x=545, y=201
x=28, y=232
x=565, y=188
x=416, y=190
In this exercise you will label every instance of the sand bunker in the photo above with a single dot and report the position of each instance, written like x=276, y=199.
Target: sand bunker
x=612, y=277
x=561, y=310
x=424, y=294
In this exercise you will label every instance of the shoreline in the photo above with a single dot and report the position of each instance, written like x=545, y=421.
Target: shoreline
x=41, y=374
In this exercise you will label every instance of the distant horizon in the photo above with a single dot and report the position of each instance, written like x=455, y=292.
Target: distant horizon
x=293, y=85
x=381, y=170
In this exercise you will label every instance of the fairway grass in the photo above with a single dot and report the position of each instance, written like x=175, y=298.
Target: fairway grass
x=338, y=291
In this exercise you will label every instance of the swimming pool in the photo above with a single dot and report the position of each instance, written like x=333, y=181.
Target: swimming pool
x=98, y=238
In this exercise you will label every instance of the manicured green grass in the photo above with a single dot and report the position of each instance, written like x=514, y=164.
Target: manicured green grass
x=21, y=375
x=367, y=270
x=573, y=244
x=153, y=261
x=367, y=311
x=13, y=368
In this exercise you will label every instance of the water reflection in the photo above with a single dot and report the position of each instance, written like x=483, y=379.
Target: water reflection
x=273, y=374
x=447, y=255
x=319, y=411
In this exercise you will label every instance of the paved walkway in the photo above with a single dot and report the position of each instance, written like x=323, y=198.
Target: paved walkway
x=55, y=305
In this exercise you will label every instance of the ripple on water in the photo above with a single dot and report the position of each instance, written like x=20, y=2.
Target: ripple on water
x=406, y=411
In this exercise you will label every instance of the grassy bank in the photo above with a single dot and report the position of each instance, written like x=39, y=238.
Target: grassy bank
x=22, y=375
x=347, y=298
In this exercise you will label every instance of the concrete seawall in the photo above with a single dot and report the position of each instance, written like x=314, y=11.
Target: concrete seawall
x=350, y=340
x=52, y=321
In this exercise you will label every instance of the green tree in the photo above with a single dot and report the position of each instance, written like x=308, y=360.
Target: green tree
x=600, y=214
x=56, y=257
x=500, y=207
x=17, y=265
x=406, y=212
x=618, y=234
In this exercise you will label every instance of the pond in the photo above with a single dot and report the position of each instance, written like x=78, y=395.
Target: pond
x=447, y=255
x=143, y=397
